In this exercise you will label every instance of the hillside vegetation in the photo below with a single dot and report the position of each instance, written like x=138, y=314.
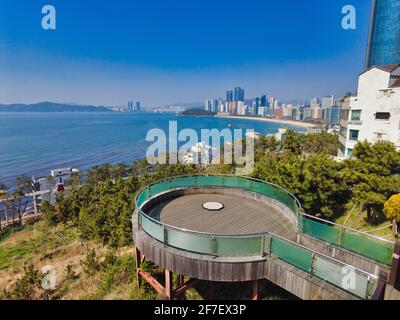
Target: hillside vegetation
x=87, y=235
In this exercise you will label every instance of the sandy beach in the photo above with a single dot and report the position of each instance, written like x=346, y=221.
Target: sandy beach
x=288, y=122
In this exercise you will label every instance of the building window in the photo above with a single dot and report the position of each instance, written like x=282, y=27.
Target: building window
x=350, y=153
x=380, y=136
x=382, y=115
x=342, y=148
x=355, y=115
x=354, y=134
x=343, y=131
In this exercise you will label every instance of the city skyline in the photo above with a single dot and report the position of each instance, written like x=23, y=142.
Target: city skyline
x=106, y=64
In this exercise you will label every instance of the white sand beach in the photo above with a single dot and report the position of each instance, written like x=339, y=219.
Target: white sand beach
x=288, y=122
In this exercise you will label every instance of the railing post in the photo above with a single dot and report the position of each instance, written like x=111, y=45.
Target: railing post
x=312, y=264
x=148, y=192
x=213, y=245
x=379, y=293
x=270, y=245
x=367, y=295
x=341, y=234
x=165, y=236
x=265, y=246
x=262, y=246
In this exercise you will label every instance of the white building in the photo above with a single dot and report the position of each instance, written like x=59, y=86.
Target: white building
x=241, y=108
x=374, y=114
x=287, y=110
x=200, y=154
x=207, y=105
x=327, y=102
x=60, y=176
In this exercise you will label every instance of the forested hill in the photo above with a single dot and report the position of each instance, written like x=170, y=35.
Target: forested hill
x=51, y=107
x=198, y=112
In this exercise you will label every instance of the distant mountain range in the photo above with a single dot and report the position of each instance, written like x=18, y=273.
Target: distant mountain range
x=51, y=107
x=198, y=112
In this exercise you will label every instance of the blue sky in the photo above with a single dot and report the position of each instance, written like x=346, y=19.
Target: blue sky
x=167, y=51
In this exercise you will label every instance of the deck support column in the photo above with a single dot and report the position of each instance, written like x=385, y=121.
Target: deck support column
x=256, y=290
x=169, y=285
x=211, y=290
x=394, y=277
x=181, y=280
x=138, y=262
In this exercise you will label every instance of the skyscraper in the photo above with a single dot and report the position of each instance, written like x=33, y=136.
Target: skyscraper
x=239, y=94
x=384, y=34
x=137, y=107
x=207, y=105
x=256, y=106
x=215, y=104
x=327, y=102
x=264, y=101
x=229, y=96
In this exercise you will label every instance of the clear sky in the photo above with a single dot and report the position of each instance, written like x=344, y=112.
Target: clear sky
x=167, y=51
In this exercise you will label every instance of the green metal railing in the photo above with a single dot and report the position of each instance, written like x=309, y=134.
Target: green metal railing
x=263, y=244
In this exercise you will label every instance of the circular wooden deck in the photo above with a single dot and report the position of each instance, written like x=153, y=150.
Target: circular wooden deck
x=240, y=215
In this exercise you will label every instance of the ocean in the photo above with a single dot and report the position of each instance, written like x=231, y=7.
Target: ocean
x=33, y=143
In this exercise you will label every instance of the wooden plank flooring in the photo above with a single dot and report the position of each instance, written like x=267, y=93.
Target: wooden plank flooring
x=240, y=215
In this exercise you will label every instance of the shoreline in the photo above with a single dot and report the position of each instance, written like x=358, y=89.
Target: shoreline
x=301, y=124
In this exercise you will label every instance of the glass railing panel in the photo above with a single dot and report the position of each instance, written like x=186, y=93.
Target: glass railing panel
x=189, y=241
x=187, y=182
x=285, y=198
x=152, y=228
x=261, y=188
x=320, y=231
x=378, y=251
x=159, y=188
x=343, y=277
x=238, y=246
x=141, y=198
x=211, y=181
x=245, y=184
x=230, y=182
x=292, y=254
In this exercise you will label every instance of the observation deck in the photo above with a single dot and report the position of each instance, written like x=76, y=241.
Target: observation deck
x=230, y=229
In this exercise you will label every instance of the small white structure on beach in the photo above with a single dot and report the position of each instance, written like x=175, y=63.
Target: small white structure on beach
x=57, y=177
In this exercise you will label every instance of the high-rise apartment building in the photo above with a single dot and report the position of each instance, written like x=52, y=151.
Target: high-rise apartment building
x=327, y=102
x=263, y=102
x=137, y=106
x=207, y=105
x=384, y=34
x=239, y=94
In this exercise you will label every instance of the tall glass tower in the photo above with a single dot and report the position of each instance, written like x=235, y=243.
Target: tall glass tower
x=384, y=33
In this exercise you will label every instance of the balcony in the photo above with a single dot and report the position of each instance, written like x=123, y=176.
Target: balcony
x=355, y=122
